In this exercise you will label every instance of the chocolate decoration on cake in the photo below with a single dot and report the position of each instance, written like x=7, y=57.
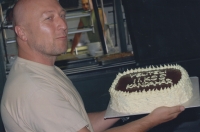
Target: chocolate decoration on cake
x=155, y=80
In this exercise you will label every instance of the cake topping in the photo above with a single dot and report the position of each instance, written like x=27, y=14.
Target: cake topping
x=155, y=79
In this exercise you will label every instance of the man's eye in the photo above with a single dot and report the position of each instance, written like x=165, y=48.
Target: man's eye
x=63, y=16
x=49, y=18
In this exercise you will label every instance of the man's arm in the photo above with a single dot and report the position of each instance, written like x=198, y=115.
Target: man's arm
x=102, y=16
x=98, y=122
x=158, y=116
x=77, y=37
x=91, y=5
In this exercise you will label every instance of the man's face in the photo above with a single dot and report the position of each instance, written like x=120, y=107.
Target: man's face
x=46, y=27
x=85, y=5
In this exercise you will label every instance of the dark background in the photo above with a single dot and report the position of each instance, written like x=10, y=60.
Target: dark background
x=164, y=30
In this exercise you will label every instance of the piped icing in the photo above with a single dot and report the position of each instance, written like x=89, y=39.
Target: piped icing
x=143, y=89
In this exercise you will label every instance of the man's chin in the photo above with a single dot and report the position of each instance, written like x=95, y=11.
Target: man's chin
x=60, y=52
x=64, y=51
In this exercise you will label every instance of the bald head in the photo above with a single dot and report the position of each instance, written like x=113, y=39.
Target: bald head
x=85, y=5
x=19, y=12
x=27, y=12
x=41, y=29
x=24, y=9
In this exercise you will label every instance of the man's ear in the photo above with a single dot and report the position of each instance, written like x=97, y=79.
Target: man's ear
x=19, y=30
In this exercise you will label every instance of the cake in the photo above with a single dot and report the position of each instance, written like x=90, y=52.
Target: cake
x=143, y=89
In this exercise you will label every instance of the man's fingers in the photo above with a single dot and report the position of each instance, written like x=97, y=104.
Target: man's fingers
x=182, y=108
x=164, y=114
x=176, y=109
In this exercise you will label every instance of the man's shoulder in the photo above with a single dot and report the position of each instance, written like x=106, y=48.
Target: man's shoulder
x=20, y=73
x=29, y=71
x=26, y=79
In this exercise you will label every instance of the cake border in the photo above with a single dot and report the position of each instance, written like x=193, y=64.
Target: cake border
x=192, y=103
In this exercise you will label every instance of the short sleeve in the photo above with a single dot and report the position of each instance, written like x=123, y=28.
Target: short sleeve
x=49, y=111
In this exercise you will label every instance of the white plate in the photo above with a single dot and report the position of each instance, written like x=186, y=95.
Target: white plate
x=193, y=102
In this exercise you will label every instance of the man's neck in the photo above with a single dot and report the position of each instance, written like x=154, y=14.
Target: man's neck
x=37, y=57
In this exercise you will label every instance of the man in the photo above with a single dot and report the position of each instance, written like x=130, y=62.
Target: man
x=87, y=22
x=38, y=97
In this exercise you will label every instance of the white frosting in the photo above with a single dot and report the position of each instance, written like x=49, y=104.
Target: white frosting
x=147, y=101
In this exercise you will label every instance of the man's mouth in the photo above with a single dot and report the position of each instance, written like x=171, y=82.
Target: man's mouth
x=62, y=37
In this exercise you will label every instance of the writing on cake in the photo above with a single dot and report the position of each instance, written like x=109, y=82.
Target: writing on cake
x=151, y=78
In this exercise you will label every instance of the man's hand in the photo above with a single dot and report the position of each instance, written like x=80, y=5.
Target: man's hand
x=164, y=114
x=156, y=117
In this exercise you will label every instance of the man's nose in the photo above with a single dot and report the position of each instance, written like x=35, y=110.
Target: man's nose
x=62, y=24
